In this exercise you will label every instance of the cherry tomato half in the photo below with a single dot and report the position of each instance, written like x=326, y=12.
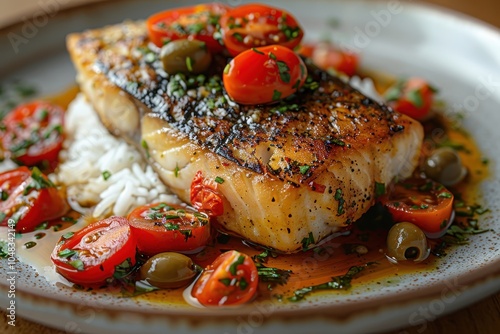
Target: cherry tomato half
x=264, y=75
x=29, y=198
x=231, y=279
x=205, y=196
x=196, y=22
x=90, y=256
x=423, y=202
x=33, y=133
x=326, y=56
x=161, y=227
x=256, y=25
x=413, y=97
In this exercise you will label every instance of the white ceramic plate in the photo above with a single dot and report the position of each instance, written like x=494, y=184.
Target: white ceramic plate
x=456, y=53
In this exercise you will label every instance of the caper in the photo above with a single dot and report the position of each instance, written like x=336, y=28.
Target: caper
x=168, y=270
x=445, y=166
x=406, y=241
x=185, y=56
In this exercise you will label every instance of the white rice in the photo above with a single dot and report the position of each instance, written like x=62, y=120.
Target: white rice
x=90, y=152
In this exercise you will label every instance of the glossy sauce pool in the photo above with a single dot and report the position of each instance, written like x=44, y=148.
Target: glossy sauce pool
x=333, y=258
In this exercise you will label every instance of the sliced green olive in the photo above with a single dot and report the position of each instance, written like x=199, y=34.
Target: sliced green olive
x=185, y=56
x=406, y=241
x=445, y=166
x=168, y=270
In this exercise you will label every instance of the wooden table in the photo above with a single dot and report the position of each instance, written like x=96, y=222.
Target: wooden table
x=482, y=317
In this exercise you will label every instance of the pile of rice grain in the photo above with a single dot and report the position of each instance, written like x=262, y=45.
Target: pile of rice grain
x=99, y=169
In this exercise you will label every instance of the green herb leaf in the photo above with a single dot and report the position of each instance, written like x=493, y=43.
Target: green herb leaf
x=415, y=97
x=219, y=180
x=306, y=242
x=226, y=281
x=379, y=189
x=171, y=227
x=276, y=95
x=66, y=253
x=304, y=169
x=258, y=51
x=237, y=36
x=106, y=175
x=284, y=71
x=233, y=268
x=340, y=199
x=337, y=283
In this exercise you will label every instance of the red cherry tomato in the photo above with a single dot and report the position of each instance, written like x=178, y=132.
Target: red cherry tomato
x=231, y=279
x=33, y=133
x=264, y=75
x=28, y=198
x=90, y=256
x=422, y=202
x=205, y=196
x=196, y=22
x=326, y=56
x=161, y=227
x=413, y=97
x=256, y=25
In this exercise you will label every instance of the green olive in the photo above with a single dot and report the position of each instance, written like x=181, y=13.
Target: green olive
x=185, y=56
x=445, y=166
x=406, y=241
x=168, y=270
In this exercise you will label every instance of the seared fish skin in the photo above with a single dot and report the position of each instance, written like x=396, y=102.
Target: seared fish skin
x=307, y=167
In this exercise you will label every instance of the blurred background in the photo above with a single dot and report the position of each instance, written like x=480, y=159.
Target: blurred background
x=486, y=10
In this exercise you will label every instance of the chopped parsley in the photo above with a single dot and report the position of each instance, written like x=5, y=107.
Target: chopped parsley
x=337, y=283
x=339, y=197
x=308, y=241
x=219, y=180
x=284, y=71
x=258, y=51
x=276, y=95
x=304, y=169
x=379, y=189
x=106, y=175
x=38, y=181
x=233, y=268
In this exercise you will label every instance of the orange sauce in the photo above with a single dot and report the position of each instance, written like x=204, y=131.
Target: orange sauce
x=332, y=258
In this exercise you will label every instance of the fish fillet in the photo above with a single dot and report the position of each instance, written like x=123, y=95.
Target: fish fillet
x=296, y=171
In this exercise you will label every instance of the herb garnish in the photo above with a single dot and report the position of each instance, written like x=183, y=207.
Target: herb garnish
x=219, y=180
x=306, y=242
x=304, y=169
x=38, y=182
x=337, y=283
x=233, y=268
x=379, y=189
x=339, y=197
x=106, y=175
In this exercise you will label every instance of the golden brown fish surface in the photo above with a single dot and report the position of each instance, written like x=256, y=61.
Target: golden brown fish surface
x=299, y=170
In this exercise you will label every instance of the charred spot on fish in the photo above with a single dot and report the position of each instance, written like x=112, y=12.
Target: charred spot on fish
x=397, y=128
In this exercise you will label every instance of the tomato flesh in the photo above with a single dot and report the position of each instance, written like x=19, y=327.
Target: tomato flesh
x=162, y=227
x=264, y=75
x=205, y=196
x=90, y=256
x=196, y=22
x=29, y=198
x=256, y=25
x=231, y=279
x=423, y=202
x=413, y=97
x=33, y=133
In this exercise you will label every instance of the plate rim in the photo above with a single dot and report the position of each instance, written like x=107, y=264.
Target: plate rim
x=477, y=277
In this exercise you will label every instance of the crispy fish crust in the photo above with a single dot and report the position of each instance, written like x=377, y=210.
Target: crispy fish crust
x=305, y=167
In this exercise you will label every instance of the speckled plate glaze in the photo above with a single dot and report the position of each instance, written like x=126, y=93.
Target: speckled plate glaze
x=455, y=52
